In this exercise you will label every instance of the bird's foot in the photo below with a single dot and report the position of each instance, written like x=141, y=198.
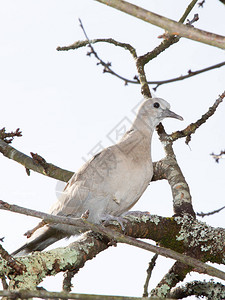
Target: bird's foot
x=108, y=219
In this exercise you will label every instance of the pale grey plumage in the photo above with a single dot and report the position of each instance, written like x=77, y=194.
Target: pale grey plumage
x=111, y=182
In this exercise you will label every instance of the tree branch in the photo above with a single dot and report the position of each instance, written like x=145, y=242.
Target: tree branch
x=146, y=58
x=182, y=201
x=166, y=43
x=171, y=26
x=15, y=265
x=61, y=295
x=80, y=44
x=9, y=136
x=190, y=74
x=149, y=274
x=49, y=170
x=201, y=214
x=217, y=157
x=190, y=129
x=210, y=290
x=175, y=275
x=139, y=225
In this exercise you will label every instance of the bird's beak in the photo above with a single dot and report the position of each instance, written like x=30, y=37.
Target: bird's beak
x=170, y=114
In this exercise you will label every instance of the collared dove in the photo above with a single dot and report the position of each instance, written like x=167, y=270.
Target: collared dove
x=111, y=182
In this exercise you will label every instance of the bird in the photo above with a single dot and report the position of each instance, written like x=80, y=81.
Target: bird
x=110, y=183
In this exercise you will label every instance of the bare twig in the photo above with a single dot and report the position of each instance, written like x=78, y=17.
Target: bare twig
x=201, y=214
x=149, y=274
x=219, y=156
x=174, y=28
x=26, y=294
x=9, y=136
x=200, y=4
x=189, y=75
x=195, y=19
x=107, y=66
x=146, y=58
x=187, y=11
x=47, y=218
x=190, y=129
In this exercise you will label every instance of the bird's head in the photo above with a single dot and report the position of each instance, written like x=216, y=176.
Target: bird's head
x=154, y=110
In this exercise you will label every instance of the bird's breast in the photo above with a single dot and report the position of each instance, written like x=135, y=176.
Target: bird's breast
x=129, y=187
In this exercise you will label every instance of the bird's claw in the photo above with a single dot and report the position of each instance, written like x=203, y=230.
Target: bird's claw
x=108, y=219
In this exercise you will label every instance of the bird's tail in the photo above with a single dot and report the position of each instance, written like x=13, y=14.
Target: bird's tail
x=40, y=240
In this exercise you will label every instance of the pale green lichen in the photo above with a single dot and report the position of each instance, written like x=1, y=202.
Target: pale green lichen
x=145, y=218
x=163, y=290
x=195, y=233
x=155, y=219
x=39, y=264
x=85, y=247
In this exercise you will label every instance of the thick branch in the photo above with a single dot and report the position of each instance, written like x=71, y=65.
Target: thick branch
x=169, y=41
x=210, y=290
x=175, y=275
x=154, y=227
x=182, y=202
x=171, y=26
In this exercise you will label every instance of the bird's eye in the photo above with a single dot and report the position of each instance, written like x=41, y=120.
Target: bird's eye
x=156, y=105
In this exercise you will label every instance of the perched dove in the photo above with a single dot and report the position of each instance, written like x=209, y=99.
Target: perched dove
x=111, y=182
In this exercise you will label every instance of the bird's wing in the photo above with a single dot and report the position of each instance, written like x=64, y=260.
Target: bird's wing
x=91, y=184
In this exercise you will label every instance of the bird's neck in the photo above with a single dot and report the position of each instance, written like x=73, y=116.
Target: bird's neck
x=137, y=140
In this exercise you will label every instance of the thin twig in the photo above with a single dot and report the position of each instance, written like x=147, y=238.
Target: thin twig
x=187, y=11
x=201, y=214
x=219, y=156
x=164, y=45
x=26, y=294
x=149, y=274
x=190, y=129
x=107, y=66
x=9, y=136
x=189, y=75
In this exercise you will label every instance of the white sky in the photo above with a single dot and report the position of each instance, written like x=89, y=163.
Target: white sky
x=65, y=105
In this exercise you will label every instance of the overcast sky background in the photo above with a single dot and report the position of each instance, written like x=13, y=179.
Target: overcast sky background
x=65, y=106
